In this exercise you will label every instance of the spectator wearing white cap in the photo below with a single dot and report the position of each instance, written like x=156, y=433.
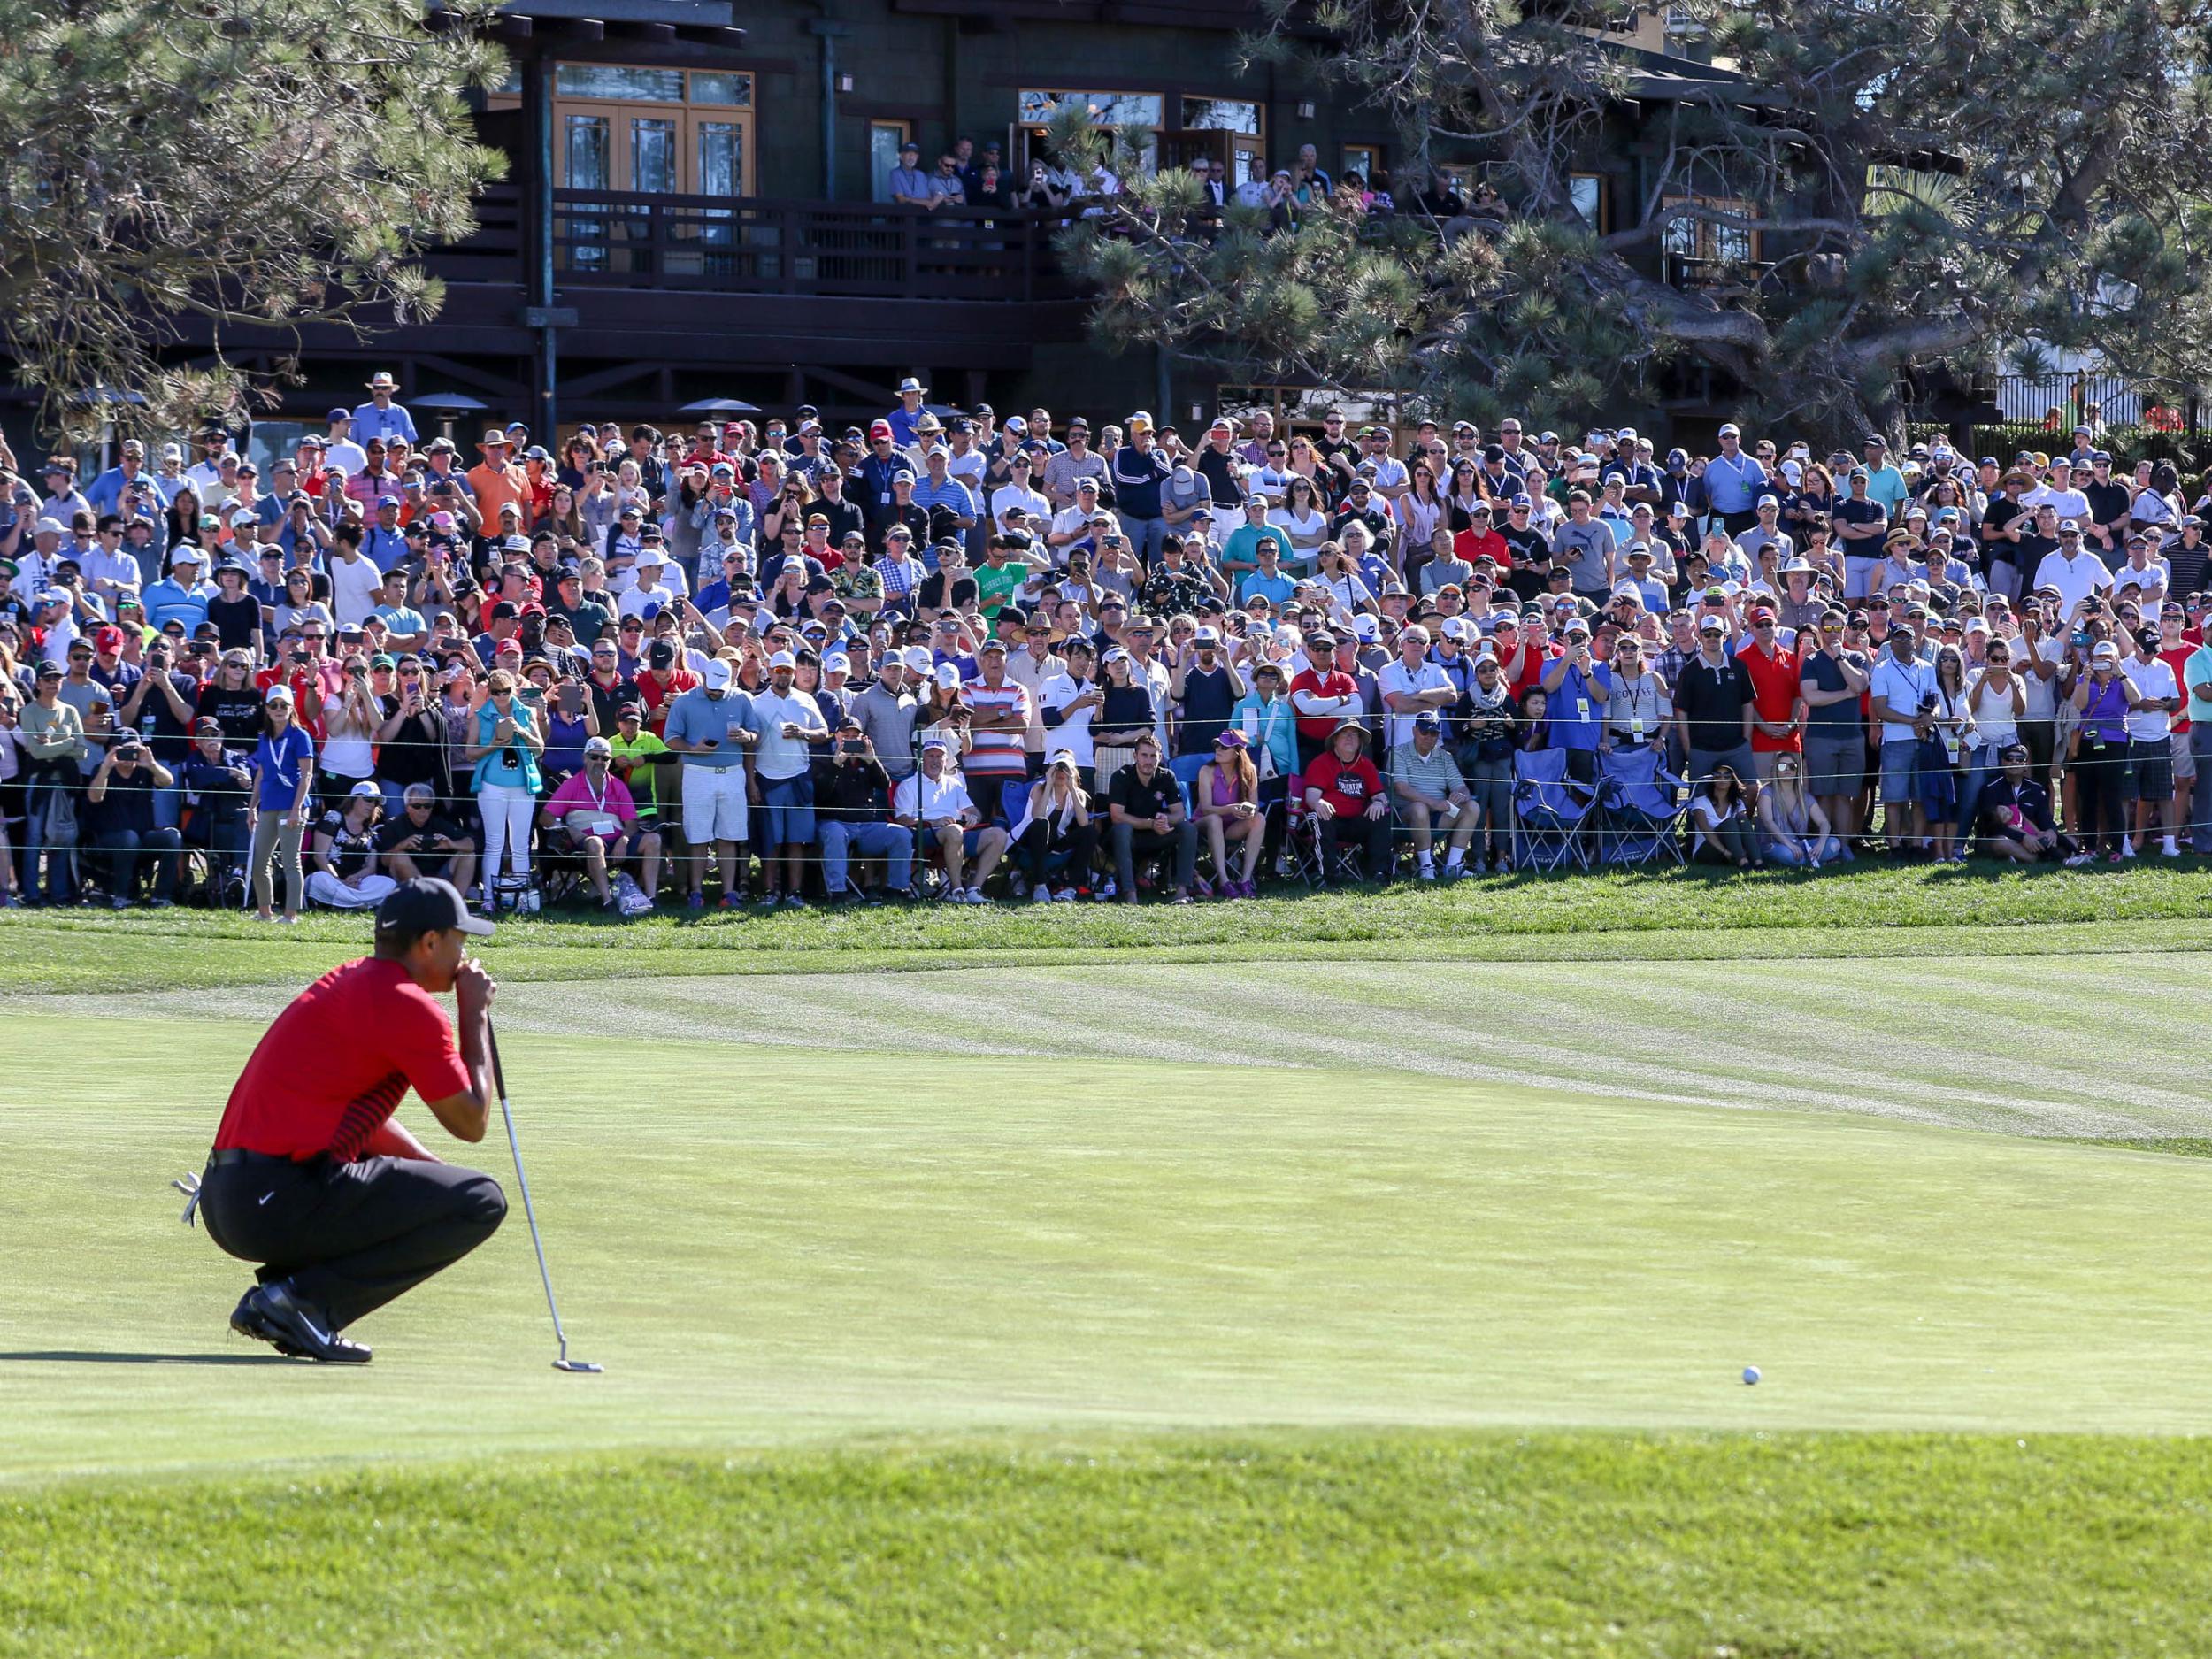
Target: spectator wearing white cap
x=2104, y=698
x=648, y=593
x=345, y=876
x=1412, y=686
x=999, y=710
x=183, y=594
x=2072, y=569
x=596, y=809
x=284, y=782
x=789, y=723
x=1431, y=796
x=710, y=726
x=935, y=804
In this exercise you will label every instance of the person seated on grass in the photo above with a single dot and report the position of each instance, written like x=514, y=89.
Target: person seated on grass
x=934, y=800
x=420, y=840
x=1722, y=827
x=2014, y=814
x=343, y=873
x=1794, y=827
x=595, y=808
x=1055, y=835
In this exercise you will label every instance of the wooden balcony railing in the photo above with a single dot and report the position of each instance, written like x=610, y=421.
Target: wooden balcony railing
x=752, y=245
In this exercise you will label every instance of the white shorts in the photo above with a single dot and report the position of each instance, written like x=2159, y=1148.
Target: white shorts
x=2185, y=759
x=714, y=804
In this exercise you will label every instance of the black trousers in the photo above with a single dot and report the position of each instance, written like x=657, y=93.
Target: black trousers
x=1371, y=836
x=350, y=1236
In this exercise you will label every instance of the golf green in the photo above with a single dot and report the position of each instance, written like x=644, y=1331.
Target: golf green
x=793, y=1208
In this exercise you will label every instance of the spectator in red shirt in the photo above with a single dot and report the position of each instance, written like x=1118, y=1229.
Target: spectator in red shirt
x=1479, y=540
x=1344, y=792
x=1322, y=695
x=662, y=682
x=310, y=1177
x=1777, y=700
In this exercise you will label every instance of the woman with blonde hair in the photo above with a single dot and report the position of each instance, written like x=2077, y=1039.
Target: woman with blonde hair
x=1058, y=832
x=1796, y=828
x=1227, y=796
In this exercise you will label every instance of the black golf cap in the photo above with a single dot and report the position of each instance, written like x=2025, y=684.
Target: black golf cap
x=426, y=904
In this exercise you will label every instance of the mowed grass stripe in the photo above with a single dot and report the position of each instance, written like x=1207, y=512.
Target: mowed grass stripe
x=1983, y=1043
x=768, y=1243
x=1256, y=1545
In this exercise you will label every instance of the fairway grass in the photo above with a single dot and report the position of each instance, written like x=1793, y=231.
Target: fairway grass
x=1254, y=1544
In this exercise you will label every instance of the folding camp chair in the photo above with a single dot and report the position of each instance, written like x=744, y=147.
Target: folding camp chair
x=1550, y=808
x=1640, y=806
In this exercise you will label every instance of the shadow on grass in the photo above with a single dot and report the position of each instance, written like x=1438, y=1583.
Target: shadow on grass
x=90, y=1356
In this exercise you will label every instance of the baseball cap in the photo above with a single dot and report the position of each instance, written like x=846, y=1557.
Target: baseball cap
x=781, y=660
x=425, y=904
x=715, y=676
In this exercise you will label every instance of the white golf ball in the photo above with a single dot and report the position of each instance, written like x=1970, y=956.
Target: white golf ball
x=1751, y=1374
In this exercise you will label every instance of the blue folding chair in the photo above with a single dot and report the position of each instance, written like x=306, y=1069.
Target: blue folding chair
x=1550, y=808
x=1641, y=807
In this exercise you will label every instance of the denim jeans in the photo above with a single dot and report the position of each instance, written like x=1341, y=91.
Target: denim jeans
x=842, y=840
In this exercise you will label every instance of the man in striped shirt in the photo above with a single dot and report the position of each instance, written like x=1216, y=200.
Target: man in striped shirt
x=998, y=722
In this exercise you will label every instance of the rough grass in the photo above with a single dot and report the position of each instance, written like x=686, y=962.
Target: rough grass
x=1784, y=1546
x=1869, y=910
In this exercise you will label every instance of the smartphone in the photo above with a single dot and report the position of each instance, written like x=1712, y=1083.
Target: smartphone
x=572, y=701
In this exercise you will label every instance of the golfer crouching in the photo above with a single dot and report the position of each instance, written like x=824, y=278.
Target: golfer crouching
x=313, y=1179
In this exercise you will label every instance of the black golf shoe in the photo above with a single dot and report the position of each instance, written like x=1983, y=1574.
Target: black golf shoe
x=269, y=1313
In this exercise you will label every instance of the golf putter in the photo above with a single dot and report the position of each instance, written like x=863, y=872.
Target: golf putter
x=499, y=1082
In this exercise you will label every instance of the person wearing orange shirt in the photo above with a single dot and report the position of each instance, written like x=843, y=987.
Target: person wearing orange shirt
x=497, y=481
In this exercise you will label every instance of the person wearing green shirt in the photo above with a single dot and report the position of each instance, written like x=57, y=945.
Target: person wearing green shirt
x=638, y=757
x=1005, y=567
x=1884, y=482
x=1239, y=554
x=2196, y=703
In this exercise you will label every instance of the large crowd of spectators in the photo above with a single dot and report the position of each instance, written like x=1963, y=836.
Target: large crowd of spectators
x=973, y=655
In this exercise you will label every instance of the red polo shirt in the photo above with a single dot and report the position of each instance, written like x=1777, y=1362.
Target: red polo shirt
x=1775, y=684
x=337, y=1062
x=1336, y=683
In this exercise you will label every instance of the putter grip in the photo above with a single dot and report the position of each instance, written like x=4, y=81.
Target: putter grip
x=491, y=1041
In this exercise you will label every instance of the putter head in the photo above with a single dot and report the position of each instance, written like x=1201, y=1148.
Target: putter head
x=576, y=1364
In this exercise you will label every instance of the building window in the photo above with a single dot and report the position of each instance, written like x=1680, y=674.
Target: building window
x=1586, y=191
x=1700, y=241
x=1107, y=109
x=1364, y=159
x=1145, y=110
x=1221, y=115
x=655, y=132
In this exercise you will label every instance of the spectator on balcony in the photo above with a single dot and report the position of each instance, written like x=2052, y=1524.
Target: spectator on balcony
x=1042, y=193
